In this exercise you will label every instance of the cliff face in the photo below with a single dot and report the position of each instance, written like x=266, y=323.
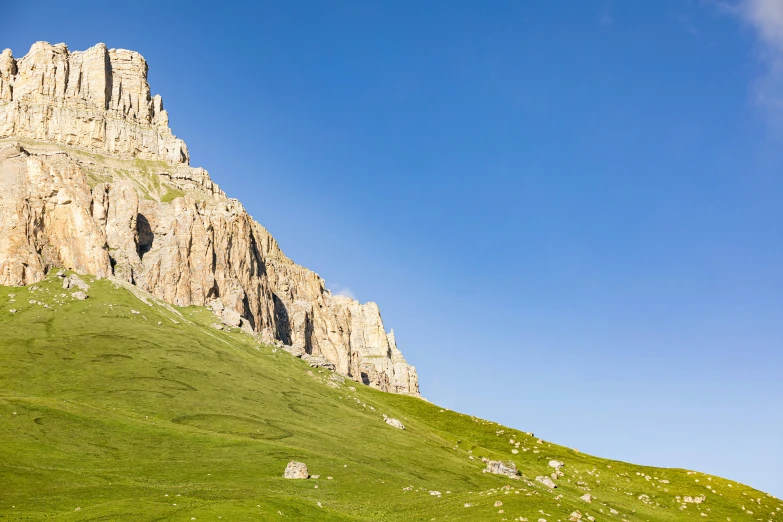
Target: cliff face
x=94, y=181
x=97, y=100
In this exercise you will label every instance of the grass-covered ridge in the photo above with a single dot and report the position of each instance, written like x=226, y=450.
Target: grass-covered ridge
x=123, y=408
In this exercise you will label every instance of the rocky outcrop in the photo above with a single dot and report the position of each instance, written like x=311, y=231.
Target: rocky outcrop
x=46, y=221
x=97, y=100
x=73, y=197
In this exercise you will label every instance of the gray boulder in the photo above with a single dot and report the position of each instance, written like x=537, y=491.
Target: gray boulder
x=231, y=318
x=557, y=464
x=548, y=482
x=394, y=422
x=498, y=467
x=74, y=281
x=296, y=470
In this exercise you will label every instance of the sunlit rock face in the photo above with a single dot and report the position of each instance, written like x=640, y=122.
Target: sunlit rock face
x=93, y=180
x=96, y=100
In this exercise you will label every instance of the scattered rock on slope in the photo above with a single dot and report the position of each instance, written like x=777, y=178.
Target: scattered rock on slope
x=498, y=467
x=231, y=318
x=557, y=464
x=74, y=281
x=548, y=482
x=296, y=470
x=318, y=361
x=394, y=422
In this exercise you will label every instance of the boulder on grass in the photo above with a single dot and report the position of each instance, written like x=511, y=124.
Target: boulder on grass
x=498, y=467
x=296, y=470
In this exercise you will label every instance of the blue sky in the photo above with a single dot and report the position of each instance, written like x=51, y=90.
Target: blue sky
x=570, y=213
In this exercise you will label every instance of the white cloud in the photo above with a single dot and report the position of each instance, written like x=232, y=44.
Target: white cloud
x=766, y=18
x=338, y=289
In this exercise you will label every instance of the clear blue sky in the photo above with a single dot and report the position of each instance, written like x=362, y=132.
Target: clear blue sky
x=569, y=212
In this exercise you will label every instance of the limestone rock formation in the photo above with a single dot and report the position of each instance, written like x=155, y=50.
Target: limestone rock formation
x=97, y=100
x=93, y=180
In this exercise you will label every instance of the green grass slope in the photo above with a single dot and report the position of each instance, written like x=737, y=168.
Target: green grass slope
x=122, y=408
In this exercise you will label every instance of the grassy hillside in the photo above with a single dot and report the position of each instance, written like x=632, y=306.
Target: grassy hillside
x=114, y=408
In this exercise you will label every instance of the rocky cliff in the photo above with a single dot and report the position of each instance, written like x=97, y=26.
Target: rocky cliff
x=98, y=100
x=93, y=180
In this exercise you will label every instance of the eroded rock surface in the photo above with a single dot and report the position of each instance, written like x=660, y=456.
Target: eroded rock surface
x=92, y=180
x=98, y=99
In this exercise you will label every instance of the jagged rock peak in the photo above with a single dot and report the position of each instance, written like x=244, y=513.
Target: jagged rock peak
x=96, y=100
